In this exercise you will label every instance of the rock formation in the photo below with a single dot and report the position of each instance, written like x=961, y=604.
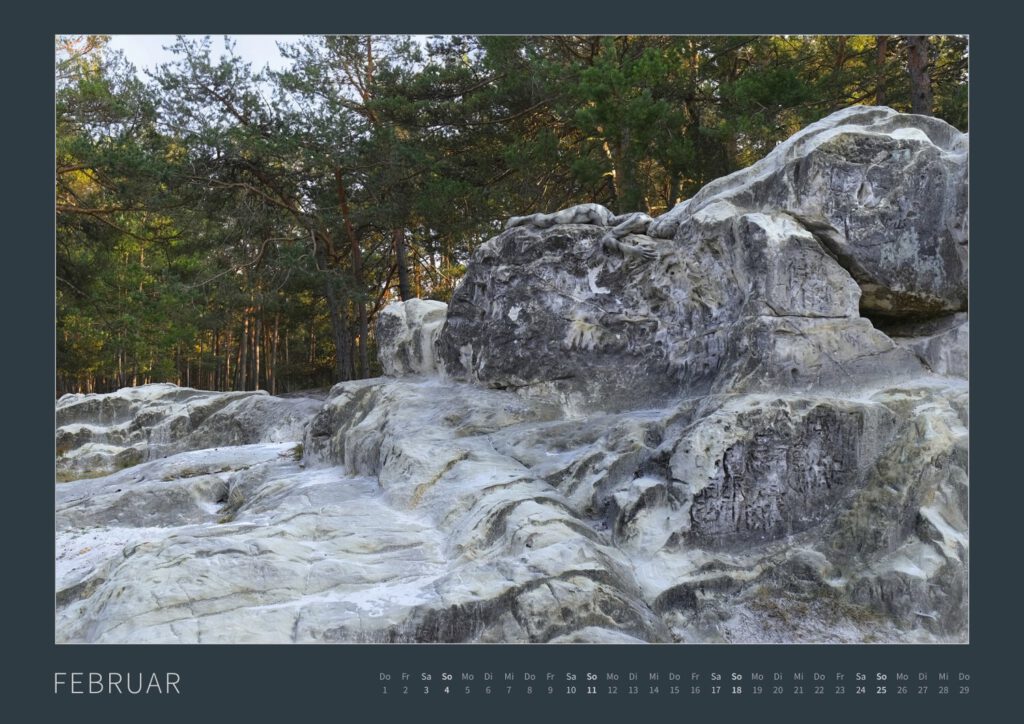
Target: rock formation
x=757, y=435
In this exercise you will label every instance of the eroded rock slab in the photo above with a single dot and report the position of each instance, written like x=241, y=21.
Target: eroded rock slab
x=102, y=433
x=443, y=512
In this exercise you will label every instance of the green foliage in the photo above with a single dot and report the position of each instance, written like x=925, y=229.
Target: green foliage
x=229, y=228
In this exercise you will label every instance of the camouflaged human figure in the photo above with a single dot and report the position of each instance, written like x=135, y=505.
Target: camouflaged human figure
x=633, y=225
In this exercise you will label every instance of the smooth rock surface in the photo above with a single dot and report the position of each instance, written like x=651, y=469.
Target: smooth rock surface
x=885, y=193
x=942, y=344
x=103, y=433
x=406, y=335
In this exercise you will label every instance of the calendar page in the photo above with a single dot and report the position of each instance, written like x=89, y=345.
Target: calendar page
x=533, y=372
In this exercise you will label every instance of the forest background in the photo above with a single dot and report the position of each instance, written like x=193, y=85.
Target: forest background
x=233, y=228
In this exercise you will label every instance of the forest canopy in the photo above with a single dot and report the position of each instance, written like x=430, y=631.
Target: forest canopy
x=232, y=228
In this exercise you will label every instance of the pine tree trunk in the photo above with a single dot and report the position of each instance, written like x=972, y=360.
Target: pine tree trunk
x=673, y=192
x=228, y=379
x=341, y=334
x=404, y=291
x=628, y=196
x=881, y=50
x=920, y=82
x=357, y=273
x=275, y=345
x=243, y=353
x=257, y=333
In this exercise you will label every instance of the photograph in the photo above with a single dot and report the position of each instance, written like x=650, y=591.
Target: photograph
x=511, y=339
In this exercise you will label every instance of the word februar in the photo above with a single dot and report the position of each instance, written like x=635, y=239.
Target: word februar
x=111, y=682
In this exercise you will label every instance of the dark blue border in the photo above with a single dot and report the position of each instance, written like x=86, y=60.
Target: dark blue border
x=269, y=683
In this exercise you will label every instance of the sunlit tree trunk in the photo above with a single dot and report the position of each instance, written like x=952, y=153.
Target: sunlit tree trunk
x=404, y=290
x=881, y=51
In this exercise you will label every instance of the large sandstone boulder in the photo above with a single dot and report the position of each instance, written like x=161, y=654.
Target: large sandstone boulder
x=771, y=278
